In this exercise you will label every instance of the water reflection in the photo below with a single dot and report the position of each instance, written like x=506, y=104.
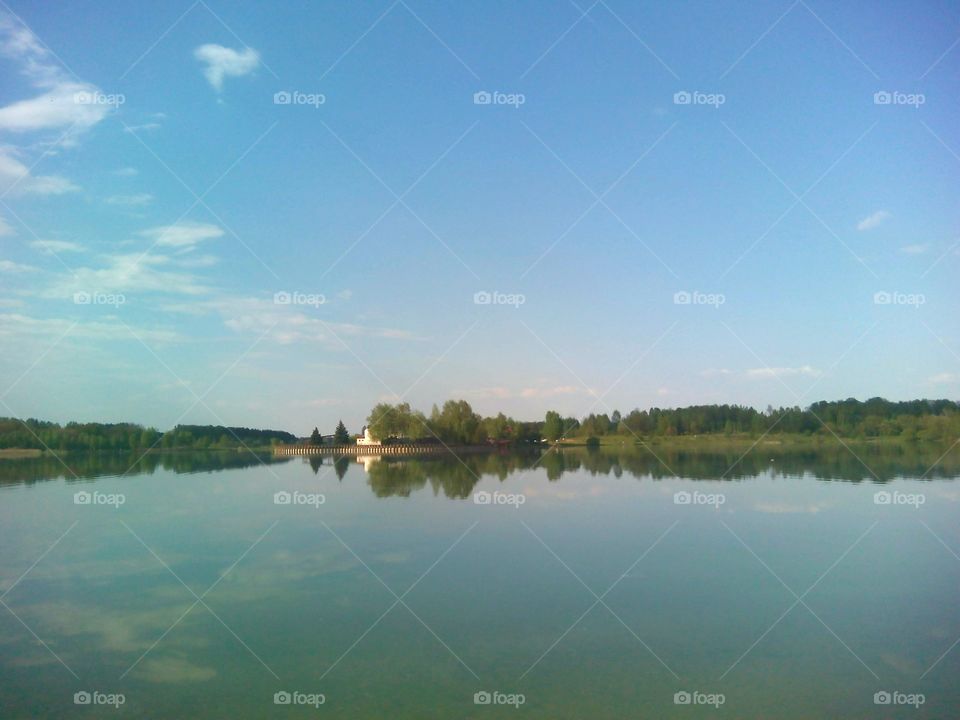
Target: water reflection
x=456, y=475
x=300, y=588
x=86, y=466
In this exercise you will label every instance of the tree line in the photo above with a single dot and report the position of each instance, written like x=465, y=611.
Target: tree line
x=43, y=435
x=851, y=418
x=457, y=423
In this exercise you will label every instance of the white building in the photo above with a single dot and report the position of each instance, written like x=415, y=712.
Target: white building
x=367, y=438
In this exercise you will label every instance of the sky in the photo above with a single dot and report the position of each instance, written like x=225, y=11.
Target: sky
x=278, y=214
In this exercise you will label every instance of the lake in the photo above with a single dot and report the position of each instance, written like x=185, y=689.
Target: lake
x=605, y=583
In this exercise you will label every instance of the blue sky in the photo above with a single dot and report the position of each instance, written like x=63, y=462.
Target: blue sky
x=787, y=235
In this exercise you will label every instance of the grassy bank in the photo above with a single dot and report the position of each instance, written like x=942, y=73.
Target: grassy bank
x=19, y=453
x=717, y=442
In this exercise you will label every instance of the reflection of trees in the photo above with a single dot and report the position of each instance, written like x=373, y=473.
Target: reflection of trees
x=340, y=464
x=828, y=462
x=456, y=476
x=91, y=465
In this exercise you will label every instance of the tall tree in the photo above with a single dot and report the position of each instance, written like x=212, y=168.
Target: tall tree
x=553, y=426
x=315, y=438
x=340, y=435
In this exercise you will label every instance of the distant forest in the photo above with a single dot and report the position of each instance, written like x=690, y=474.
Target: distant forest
x=41, y=435
x=457, y=423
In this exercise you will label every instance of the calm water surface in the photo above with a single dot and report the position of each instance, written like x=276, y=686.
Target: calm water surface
x=586, y=587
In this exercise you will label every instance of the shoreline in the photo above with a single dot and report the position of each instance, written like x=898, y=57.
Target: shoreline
x=690, y=443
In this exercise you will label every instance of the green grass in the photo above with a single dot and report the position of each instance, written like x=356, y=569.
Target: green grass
x=740, y=441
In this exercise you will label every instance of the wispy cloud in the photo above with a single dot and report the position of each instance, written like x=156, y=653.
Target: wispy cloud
x=130, y=200
x=183, y=234
x=61, y=104
x=549, y=392
x=9, y=266
x=222, y=62
x=49, y=247
x=19, y=325
x=485, y=393
x=131, y=274
x=915, y=249
x=287, y=324
x=143, y=127
x=775, y=372
x=944, y=378
x=715, y=372
x=872, y=221
x=15, y=177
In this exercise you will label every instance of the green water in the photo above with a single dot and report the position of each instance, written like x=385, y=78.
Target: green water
x=499, y=597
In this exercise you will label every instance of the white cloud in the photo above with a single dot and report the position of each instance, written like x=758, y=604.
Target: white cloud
x=131, y=273
x=16, y=177
x=12, y=267
x=50, y=185
x=713, y=372
x=57, y=106
x=17, y=325
x=225, y=62
x=872, y=221
x=286, y=324
x=183, y=234
x=770, y=372
x=549, y=392
x=5, y=229
x=126, y=171
x=142, y=127
x=49, y=247
x=132, y=200
x=917, y=249
x=485, y=393
x=944, y=378
x=18, y=42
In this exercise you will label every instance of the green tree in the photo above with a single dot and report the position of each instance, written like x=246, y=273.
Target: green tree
x=553, y=426
x=340, y=435
x=315, y=438
x=456, y=423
